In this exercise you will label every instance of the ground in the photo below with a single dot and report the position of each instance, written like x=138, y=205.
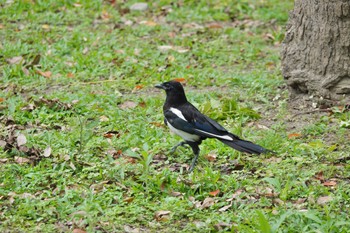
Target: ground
x=84, y=147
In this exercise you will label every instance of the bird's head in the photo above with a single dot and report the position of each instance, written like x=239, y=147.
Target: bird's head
x=171, y=87
x=174, y=91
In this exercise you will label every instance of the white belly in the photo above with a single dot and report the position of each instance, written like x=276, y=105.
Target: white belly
x=183, y=134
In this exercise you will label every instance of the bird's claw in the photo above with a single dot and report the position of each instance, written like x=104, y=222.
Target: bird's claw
x=183, y=144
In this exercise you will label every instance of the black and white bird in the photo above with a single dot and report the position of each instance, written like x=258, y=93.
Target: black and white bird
x=188, y=122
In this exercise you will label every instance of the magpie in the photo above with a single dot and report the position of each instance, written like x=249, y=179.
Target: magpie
x=188, y=122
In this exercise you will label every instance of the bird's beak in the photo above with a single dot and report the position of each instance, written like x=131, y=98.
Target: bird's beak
x=160, y=86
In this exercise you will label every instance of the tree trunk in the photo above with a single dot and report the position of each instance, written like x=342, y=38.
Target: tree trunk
x=316, y=49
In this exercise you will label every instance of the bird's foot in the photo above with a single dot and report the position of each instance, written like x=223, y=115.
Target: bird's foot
x=172, y=151
x=194, y=162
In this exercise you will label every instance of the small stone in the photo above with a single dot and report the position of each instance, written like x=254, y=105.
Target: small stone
x=139, y=6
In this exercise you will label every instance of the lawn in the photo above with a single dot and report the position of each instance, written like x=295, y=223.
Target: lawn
x=83, y=146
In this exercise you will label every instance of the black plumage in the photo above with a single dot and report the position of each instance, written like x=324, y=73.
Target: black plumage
x=188, y=122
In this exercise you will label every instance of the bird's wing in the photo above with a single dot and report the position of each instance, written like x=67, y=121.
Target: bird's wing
x=191, y=120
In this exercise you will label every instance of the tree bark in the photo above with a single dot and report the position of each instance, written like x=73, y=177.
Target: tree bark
x=316, y=49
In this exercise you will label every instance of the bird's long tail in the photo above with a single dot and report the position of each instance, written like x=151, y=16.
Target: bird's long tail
x=246, y=146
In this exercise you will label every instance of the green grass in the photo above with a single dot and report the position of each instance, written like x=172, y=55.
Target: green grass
x=103, y=62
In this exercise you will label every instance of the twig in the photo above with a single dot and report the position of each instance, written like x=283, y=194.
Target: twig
x=313, y=111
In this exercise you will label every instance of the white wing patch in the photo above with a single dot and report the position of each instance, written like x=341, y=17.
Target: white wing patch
x=225, y=137
x=186, y=136
x=178, y=113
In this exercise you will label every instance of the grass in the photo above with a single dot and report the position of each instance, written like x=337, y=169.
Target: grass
x=90, y=98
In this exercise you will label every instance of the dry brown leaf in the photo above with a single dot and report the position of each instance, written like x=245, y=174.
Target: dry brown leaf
x=15, y=60
x=21, y=140
x=214, y=193
x=1, y=100
x=211, y=157
x=21, y=160
x=162, y=215
x=47, y=152
x=214, y=25
x=224, y=208
x=127, y=104
x=330, y=183
x=128, y=199
x=235, y=194
x=157, y=124
x=221, y=225
x=3, y=143
x=294, y=135
x=46, y=74
x=149, y=23
x=4, y=160
x=77, y=230
x=70, y=75
x=319, y=176
x=180, y=80
x=29, y=108
x=138, y=87
x=207, y=202
x=300, y=201
x=324, y=200
x=175, y=194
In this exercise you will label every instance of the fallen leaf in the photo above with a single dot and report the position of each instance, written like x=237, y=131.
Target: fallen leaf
x=29, y=108
x=3, y=143
x=46, y=74
x=21, y=160
x=223, y=209
x=221, y=225
x=47, y=152
x=21, y=140
x=142, y=104
x=128, y=199
x=4, y=160
x=319, y=176
x=70, y=75
x=15, y=60
x=211, y=157
x=127, y=104
x=111, y=134
x=214, y=25
x=45, y=26
x=162, y=215
x=104, y=118
x=330, y=183
x=138, y=87
x=294, y=135
x=77, y=4
x=180, y=80
x=207, y=202
x=214, y=193
x=158, y=124
x=175, y=194
x=77, y=230
x=236, y=194
x=300, y=201
x=149, y=23
x=324, y=199
x=2, y=100
x=164, y=48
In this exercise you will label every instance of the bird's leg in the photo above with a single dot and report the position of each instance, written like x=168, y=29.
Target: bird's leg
x=177, y=145
x=196, y=150
x=194, y=162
